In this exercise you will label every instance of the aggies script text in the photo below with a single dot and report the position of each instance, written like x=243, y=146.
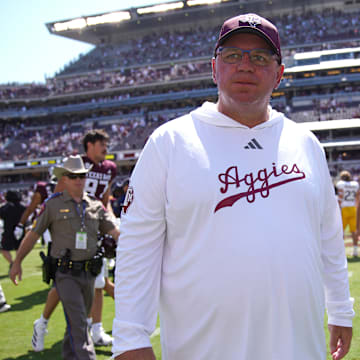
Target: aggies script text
x=256, y=183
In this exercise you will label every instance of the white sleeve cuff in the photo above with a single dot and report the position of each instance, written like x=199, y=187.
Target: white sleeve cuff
x=341, y=313
x=129, y=336
x=117, y=354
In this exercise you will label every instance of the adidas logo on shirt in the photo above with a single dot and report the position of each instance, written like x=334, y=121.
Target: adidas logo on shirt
x=253, y=144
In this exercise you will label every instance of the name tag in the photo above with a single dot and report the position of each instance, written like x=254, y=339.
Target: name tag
x=81, y=240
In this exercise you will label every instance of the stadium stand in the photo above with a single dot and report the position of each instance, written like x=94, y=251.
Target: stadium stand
x=138, y=77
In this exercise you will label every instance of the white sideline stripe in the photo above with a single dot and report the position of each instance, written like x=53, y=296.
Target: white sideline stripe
x=155, y=333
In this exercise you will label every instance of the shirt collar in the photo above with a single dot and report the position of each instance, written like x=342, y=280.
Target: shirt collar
x=209, y=113
x=68, y=197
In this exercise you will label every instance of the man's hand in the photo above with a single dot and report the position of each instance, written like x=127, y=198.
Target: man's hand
x=15, y=271
x=19, y=231
x=138, y=354
x=340, y=340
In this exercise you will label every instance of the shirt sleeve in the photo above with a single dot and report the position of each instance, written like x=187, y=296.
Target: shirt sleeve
x=139, y=253
x=42, y=221
x=339, y=304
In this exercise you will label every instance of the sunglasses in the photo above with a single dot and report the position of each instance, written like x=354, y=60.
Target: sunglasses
x=233, y=55
x=75, y=176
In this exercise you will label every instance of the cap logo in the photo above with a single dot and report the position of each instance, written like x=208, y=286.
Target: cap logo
x=251, y=19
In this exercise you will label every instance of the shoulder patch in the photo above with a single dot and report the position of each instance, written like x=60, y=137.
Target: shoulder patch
x=42, y=208
x=54, y=195
x=43, y=205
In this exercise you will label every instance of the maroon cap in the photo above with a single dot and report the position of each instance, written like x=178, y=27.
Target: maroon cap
x=251, y=23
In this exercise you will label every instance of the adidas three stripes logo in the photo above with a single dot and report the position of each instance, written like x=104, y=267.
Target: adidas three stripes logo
x=253, y=144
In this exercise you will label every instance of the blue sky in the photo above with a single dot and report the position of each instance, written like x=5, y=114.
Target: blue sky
x=28, y=51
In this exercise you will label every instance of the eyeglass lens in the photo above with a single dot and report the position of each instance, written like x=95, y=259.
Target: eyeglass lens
x=75, y=176
x=261, y=57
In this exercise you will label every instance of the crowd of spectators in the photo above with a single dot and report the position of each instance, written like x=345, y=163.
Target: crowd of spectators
x=309, y=27
x=112, y=66
x=48, y=140
x=115, y=79
x=352, y=112
x=326, y=103
x=128, y=131
x=128, y=77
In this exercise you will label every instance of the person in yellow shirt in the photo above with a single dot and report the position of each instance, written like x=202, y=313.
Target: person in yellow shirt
x=348, y=195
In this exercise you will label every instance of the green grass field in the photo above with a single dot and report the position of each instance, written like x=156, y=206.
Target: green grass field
x=27, y=300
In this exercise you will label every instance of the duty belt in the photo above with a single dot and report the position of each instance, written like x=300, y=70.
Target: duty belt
x=74, y=266
x=65, y=264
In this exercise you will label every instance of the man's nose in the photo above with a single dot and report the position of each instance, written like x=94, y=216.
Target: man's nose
x=245, y=60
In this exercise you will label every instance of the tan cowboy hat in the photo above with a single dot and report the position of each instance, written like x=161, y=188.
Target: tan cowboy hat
x=71, y=164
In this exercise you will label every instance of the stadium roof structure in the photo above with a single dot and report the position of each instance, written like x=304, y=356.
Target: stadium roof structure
x=114, y=27
x=331, y=124
x=326, y=65
x=117, y=26
x=339, y=144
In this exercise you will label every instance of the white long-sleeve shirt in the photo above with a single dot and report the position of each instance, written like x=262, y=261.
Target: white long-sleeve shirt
x=235, y=235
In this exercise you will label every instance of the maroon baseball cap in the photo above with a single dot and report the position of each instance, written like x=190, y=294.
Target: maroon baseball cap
x=251, y=23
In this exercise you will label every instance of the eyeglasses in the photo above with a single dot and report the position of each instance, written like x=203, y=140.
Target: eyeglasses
x=75, y=176
x=234, y=55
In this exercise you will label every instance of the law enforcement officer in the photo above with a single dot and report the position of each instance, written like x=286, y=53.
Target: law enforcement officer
x=74, y=219
x=98, y=183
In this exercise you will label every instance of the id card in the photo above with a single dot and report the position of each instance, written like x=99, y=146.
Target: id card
x=81, y=240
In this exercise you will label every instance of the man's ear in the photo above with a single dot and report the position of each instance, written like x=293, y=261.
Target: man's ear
x=279, y=75
x=213, y=66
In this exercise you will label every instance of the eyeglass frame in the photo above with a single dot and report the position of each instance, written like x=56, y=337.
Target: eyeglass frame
x=271, y=52
x=73, y=176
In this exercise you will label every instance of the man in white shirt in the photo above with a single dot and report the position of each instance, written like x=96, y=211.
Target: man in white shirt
x=348, y=195
x=230, y=226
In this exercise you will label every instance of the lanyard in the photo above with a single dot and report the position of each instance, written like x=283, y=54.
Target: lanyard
x=82, y=216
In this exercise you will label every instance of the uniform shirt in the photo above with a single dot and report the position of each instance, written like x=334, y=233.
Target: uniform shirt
x=99, y=177
x=236, y=233
x=62, y=215
x=347, y=191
